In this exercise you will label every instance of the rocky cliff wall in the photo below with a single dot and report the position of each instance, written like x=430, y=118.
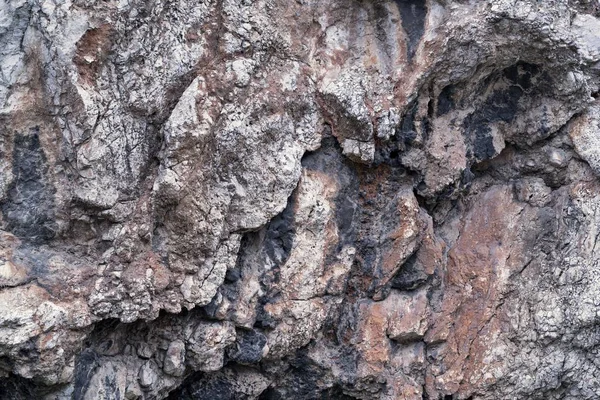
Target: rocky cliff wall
x=260, y=199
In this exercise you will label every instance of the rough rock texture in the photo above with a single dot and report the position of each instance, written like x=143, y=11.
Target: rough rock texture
x=264, y=199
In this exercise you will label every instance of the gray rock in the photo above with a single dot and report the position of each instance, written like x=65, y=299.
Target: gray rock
x=147, y=375
x=174, y=363
x=267, y=199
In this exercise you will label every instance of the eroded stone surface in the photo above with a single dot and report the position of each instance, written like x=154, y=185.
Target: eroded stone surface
x=263, y=200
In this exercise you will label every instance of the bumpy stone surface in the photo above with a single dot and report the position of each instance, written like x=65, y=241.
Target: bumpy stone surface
x=262, y=199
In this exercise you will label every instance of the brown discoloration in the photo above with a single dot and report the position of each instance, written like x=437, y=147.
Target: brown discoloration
x=399, y=223
x=374, y=182
x=404, y=237
x=33, y=112
x=431, y=252
x=11, y=272
x=258, y=69
x=479, y=265
x=400, y=318
x=92, y=50
x=68, y=279
x=371, y=340
x=409, y=316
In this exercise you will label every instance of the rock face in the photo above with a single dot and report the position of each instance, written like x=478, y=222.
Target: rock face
x=268, y=200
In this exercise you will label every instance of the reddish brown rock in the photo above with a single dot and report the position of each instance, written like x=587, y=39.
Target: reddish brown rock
x=310, y=199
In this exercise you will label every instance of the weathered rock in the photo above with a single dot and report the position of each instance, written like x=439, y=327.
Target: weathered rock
x=267, y=199
x=147, y=376
x=585, y=133
x=174, y=363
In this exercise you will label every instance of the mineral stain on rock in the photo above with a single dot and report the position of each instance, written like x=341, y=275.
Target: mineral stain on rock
x=204, y=387
x=248, y=348
x=501, y=106
x=364, y=199
x=328, y=159
x=445, y=100
x=279, y=236
x=87, y=363
x=413, y=14
x=29, y=205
